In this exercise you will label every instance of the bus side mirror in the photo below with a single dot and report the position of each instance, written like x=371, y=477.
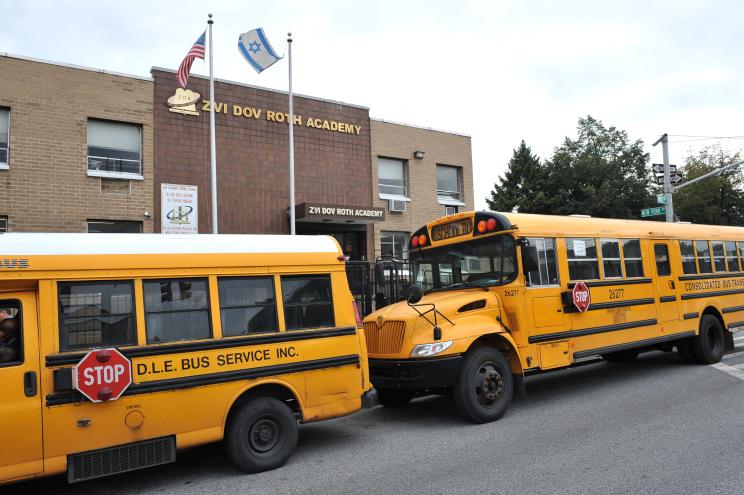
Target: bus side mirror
x=415, y=293
x=529, y=259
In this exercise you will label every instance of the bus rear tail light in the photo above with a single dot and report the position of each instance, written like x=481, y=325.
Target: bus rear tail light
x=356, y=315
x=414, y=241
x=422, y=240
x=481, y=226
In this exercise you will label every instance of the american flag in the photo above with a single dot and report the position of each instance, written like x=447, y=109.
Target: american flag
x=197, y=51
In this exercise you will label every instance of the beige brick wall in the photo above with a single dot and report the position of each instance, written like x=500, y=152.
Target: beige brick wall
x=399, y=141
x=47, y=187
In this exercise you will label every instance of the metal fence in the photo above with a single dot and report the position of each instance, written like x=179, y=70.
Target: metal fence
x=376, y=284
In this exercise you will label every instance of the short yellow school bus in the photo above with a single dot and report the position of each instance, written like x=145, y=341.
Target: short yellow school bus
x=507, y=294
x=224, y=337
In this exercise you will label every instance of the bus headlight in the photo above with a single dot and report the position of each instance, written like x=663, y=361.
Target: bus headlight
x=424, y=350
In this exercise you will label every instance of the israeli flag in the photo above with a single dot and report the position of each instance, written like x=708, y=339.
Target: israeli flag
x=257, y=50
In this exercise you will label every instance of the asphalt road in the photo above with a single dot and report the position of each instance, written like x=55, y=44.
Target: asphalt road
x=652, y=426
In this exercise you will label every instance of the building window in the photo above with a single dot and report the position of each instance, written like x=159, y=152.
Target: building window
x=114, y=227
x=4, y=137
x=307, y=302
x=450, y=210
x=449, y=183
x=392, y=177
x=247, y=305
x=542, y=251
x=177, y=309
x=96, y=314
x=114, y=149
x=3, y=224
x=582, y=259
x=393, y=245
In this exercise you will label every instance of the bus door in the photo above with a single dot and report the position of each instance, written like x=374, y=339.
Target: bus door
x=543, y=286
x=666, y=290
x=20, y=402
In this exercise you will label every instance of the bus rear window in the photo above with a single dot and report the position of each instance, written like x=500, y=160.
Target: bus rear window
x=96, y=314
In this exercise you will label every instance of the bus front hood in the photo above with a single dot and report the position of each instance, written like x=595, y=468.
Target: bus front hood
x=451, y=304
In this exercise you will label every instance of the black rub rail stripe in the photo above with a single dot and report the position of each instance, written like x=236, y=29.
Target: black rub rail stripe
x=605, y=283
x=711, y=275
x=733, y=309
x=667, y=299
x=620, y=304
x=214, y=378
x=156, y=350
x=633, y=345
x=590, y=331
x=712, y=294
x=736, y=324
x=691, y=316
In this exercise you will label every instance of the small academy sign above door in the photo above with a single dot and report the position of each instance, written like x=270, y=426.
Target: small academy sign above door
x=329, y=213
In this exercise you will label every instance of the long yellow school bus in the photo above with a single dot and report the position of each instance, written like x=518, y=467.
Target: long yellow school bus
x=505, y=294
x=229, y=337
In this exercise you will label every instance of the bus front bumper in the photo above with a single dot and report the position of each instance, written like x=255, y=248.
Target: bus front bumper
x=414, y=374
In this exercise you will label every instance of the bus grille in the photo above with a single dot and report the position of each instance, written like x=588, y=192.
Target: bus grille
x=387, y=339
x=120, y=459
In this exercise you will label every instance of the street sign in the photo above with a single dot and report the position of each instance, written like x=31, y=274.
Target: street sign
x=660, y=180
x=102, y=375
x=661, y=199
x=581, y=296
x=653, y=212
x=676, y=178
x=659, y=168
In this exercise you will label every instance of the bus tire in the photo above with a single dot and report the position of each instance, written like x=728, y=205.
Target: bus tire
x=684, y=349
x=394, y=398
x=707, y=346
x=484, y=386
x=622, y=356
x=261, y=435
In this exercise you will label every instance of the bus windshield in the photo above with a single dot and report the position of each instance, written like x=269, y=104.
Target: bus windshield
x=476, y=263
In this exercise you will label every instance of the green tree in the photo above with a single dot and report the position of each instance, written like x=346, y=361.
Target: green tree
x=600, y=173
x=716, y=200
x=522, y=184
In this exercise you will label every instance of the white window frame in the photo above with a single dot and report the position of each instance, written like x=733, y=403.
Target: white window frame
x=388, y=196
x=3, y=224
x=107, y=174
x=446, y=199
x=403, y=255
x=6, y=164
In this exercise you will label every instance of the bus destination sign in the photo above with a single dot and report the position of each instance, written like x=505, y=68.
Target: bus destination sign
x=452, y=229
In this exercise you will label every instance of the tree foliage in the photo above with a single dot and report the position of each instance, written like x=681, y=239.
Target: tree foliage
x=600, y=173
x=716, y=200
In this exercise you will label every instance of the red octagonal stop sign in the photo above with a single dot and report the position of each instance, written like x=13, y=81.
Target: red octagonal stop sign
x=103, y=374
x=581, y=296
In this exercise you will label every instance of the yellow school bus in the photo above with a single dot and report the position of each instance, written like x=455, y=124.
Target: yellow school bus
x=230, y=337
x=506, y=294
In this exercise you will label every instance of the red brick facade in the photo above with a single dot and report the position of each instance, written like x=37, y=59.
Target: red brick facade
x=331, y=165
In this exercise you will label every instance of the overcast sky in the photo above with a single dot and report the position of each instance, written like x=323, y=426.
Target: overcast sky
x=499, y=71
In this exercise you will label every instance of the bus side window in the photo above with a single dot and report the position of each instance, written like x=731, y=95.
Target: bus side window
x=732, y=261
x=687, y=253
x=247, y=305
x=11, y=333
x=702, y=249
x=96, y=314
x=611, y=261
x=582, y=259
x=308, y=302
x=719, y=256
x=539, y=262
x=633, y=258
x=661, y=252
x=177, y=309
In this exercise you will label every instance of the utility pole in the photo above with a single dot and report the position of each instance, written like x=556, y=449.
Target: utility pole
x=668, y=207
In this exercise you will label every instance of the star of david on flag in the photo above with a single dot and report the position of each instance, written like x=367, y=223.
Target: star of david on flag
x=257, y=50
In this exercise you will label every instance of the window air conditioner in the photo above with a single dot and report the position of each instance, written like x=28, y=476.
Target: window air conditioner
x=396, y=205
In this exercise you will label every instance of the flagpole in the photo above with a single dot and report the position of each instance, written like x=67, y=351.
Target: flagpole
x=291, y=145
x=212, y=144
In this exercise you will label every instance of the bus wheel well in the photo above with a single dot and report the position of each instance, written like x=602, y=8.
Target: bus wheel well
x=498, y=342
x=273, y=390
x=710, y=310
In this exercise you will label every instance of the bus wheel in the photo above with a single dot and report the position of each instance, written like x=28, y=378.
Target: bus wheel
x=394, y=398
x=684, y=349
x=622, y=356
x=707, y=347
x=261, y=435
x=484, y=387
